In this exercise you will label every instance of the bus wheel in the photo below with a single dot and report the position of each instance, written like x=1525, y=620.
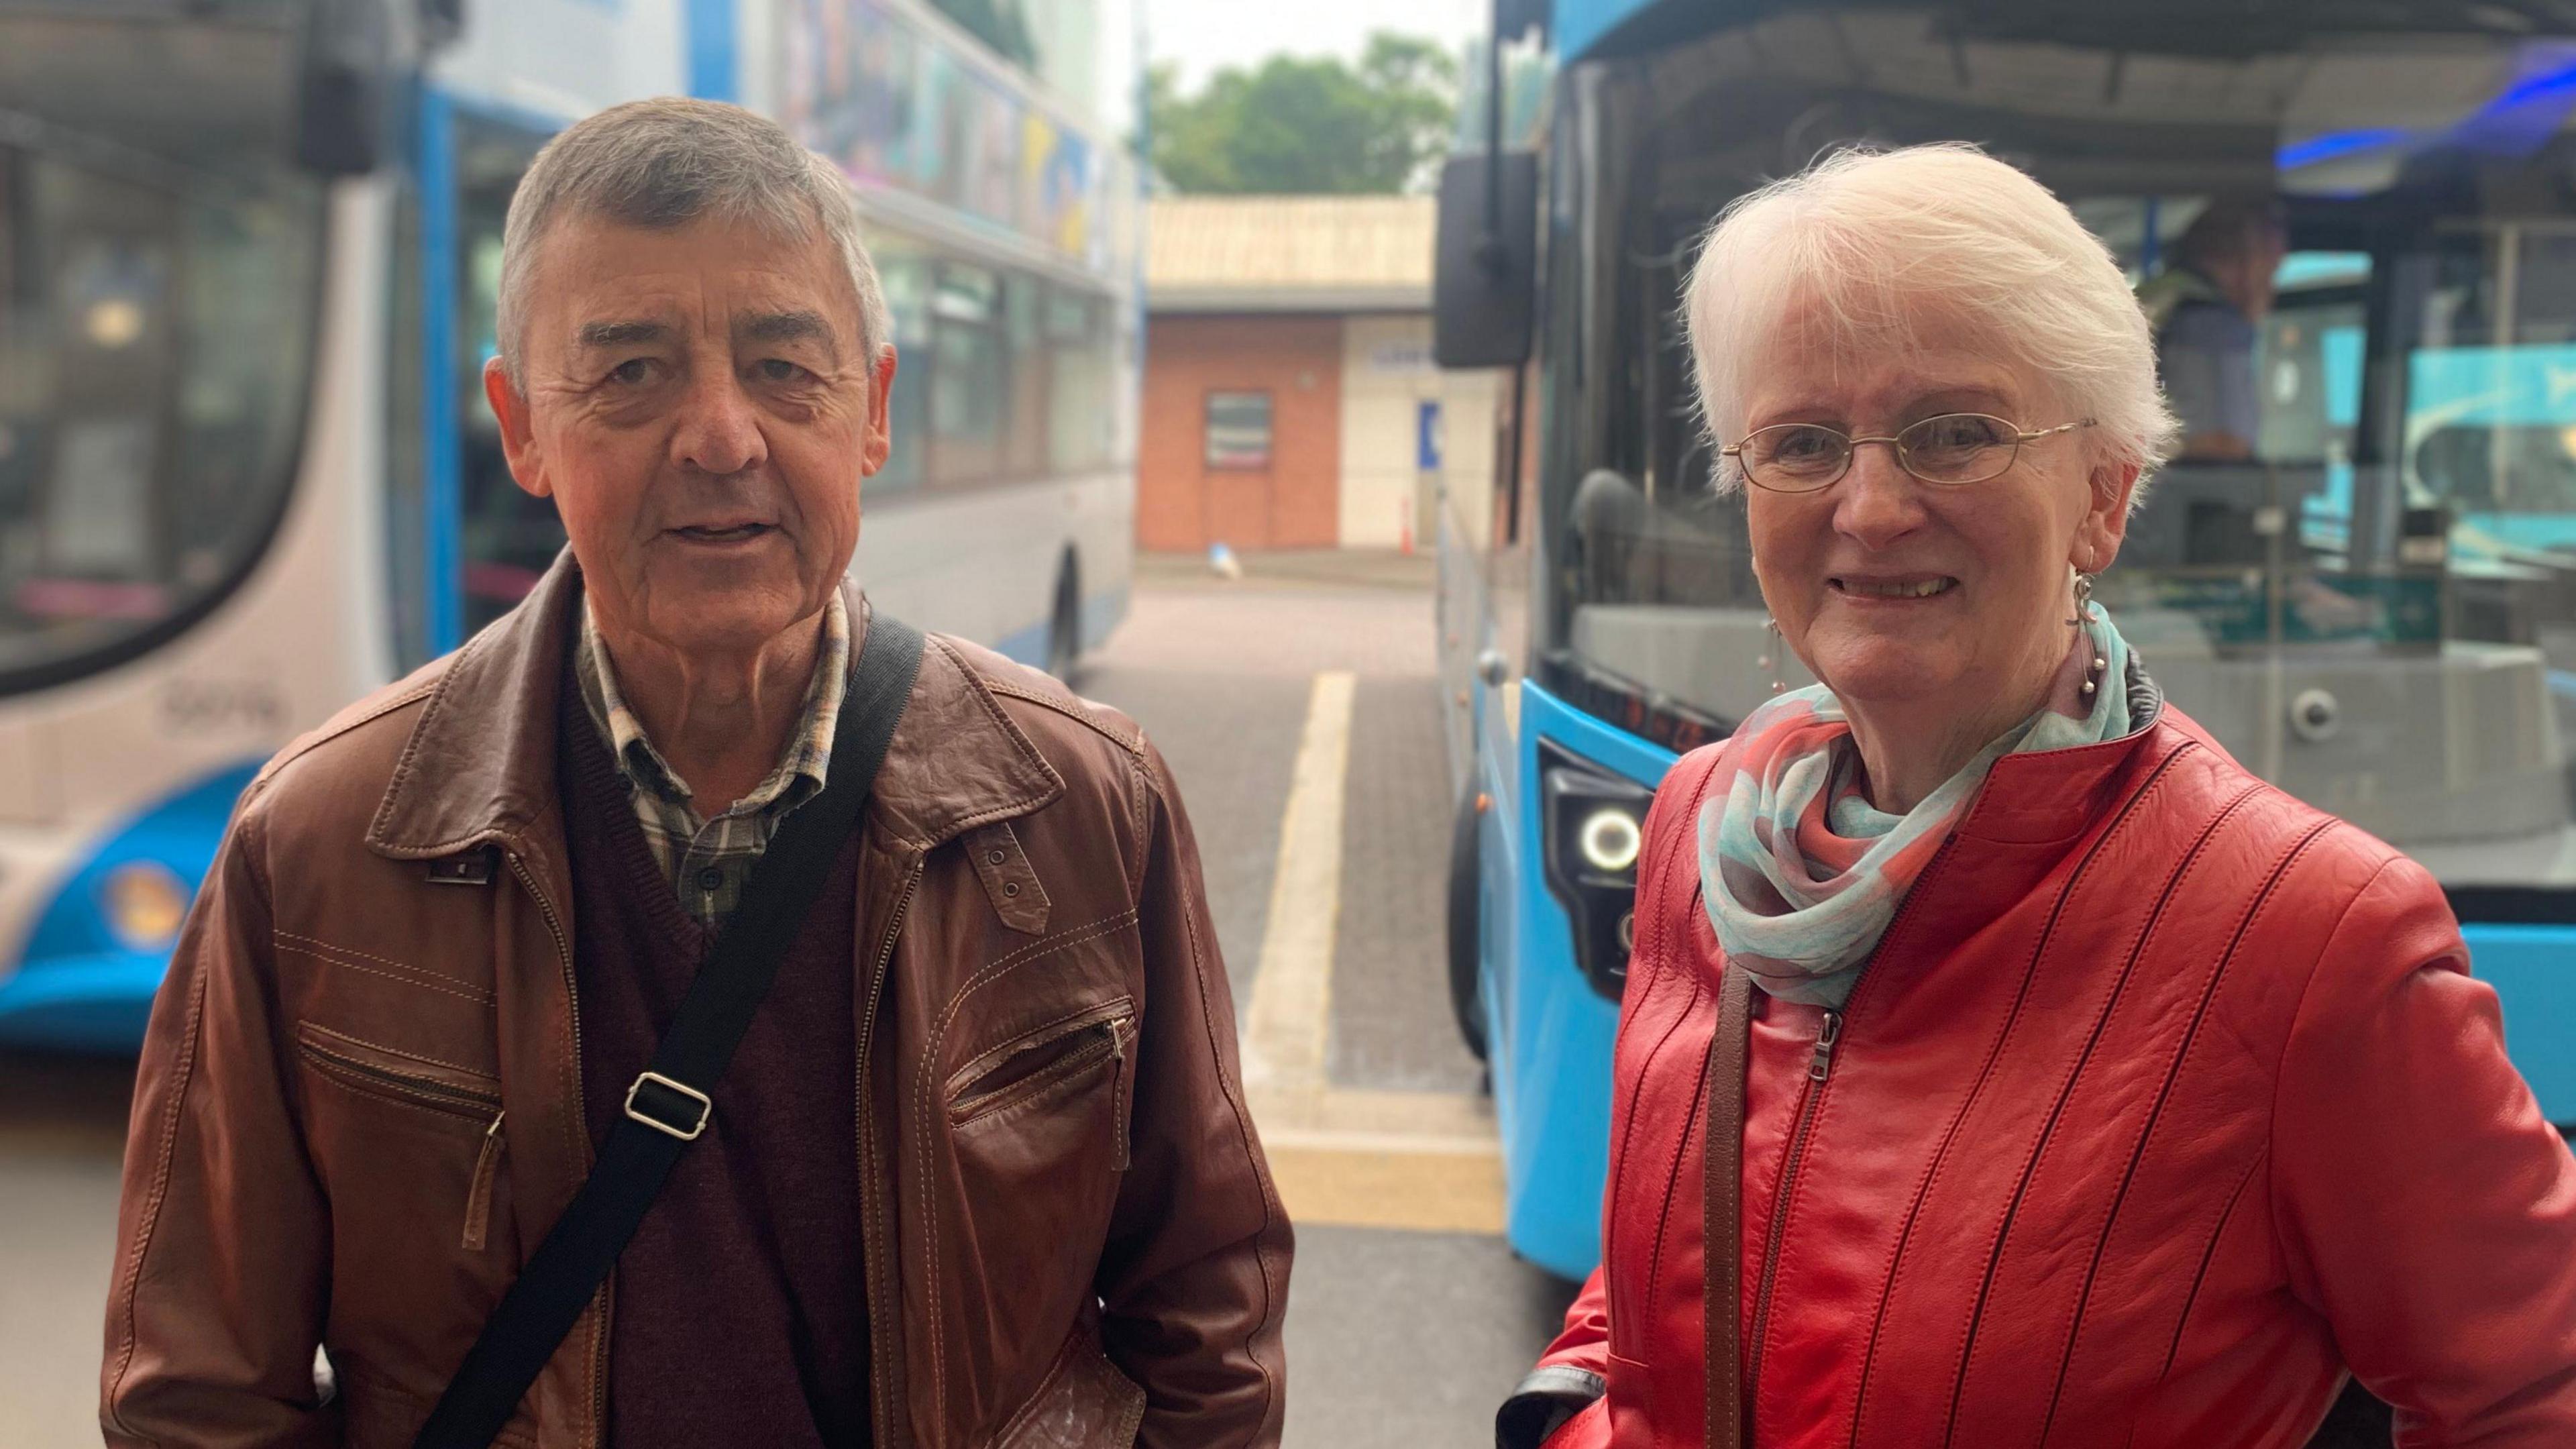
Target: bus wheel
x=1064, y=625
x=1465, y=1000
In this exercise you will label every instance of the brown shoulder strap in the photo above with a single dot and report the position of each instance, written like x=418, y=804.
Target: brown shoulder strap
x=1723, y=1192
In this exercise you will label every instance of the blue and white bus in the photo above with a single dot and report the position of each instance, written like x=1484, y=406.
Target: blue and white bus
x=248, y=250
x=2377, y=611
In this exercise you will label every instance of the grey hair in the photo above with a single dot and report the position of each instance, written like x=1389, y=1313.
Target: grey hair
x=664, y=163
x=1866, y=246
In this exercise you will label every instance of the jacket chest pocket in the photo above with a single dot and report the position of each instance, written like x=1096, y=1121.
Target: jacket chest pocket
x=453, y=1104
x=1054, y=1070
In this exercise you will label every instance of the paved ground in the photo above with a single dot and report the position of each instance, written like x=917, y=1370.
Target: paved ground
x=62, y=1129
x=1398, y=1334
x=1408, y=1319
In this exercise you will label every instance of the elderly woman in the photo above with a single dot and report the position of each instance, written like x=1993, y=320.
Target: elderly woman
x=2041, y=1076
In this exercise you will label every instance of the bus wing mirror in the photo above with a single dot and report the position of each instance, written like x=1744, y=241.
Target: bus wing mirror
x=341, y=87
x=1484, y=283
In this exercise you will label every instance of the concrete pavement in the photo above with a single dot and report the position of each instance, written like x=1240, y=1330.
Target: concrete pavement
x=1408, y=1317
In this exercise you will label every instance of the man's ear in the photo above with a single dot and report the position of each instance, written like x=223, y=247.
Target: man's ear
x=518, y=431
x=880, y=441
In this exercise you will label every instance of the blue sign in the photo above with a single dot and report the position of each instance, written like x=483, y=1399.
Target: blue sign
x=1426, y=436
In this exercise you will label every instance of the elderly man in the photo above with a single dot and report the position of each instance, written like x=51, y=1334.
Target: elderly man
x=980, y=1171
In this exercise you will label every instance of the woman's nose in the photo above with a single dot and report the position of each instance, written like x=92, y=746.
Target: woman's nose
x=1877, y=502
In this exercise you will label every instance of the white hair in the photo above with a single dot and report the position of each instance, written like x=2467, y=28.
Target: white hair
x=667, y=162
x=1871, y=247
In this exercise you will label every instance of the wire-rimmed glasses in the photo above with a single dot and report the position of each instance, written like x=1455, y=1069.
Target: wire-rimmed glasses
x=1946, y=449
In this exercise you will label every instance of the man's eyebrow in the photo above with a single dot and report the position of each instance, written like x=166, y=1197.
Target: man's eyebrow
x=620, y=334
x=800, y=326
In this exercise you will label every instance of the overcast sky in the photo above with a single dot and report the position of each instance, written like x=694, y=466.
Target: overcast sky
x=1207, y=35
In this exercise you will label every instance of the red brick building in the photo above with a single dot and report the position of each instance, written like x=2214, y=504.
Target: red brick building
x=1290, y=399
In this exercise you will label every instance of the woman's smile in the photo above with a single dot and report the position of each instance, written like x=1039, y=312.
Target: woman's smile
x=1883, y=590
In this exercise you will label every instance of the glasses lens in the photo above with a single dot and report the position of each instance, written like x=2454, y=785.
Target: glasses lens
x=1958, y=447
x=1795, y=457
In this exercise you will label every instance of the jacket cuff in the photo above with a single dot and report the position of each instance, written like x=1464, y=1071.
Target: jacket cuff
x=1552, y=1394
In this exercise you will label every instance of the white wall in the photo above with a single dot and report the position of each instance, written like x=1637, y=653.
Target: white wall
x=1387, y=374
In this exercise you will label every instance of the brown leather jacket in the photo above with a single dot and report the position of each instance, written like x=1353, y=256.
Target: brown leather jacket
x=360, y=1101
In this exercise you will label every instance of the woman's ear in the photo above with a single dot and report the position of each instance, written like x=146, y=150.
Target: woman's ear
x=2106, y=517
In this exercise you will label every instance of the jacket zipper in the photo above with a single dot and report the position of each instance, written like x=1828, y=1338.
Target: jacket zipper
x=1820, y=1068
x=580, y=1113
x=1118, y=1096
x=454, y=1101
x=871, y=1241
x=478, y=1197
x=1108, y=1041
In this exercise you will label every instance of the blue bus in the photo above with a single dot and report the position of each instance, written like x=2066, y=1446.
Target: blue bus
x=248, y=255
x=2376, y=611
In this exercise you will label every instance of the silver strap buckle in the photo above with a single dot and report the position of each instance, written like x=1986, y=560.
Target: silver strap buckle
x=706, y=1107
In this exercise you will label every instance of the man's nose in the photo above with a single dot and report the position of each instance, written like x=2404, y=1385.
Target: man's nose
x=1878, y=502
x=719, y=431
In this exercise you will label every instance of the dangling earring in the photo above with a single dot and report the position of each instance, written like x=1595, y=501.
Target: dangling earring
x=2083, y=611
x=1770, y=660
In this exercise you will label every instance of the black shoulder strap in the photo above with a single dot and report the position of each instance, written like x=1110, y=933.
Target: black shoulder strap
x=669, y=1104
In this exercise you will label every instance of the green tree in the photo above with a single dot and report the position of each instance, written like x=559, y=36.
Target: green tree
x=1311, y=126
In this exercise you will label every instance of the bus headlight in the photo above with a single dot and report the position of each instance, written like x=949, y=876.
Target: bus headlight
x=1610, y=839
x=1593, y=824
x=144, y=903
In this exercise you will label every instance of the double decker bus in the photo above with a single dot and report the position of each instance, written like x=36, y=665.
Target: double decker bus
x=248, y=255
x=2376, y=610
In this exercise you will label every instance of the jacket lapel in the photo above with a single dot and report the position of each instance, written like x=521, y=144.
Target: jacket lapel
x=957, y=761
x=480, y=765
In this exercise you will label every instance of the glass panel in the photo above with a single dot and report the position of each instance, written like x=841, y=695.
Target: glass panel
x=510, y=538
x=969, y=378
x=155, y=335
x=905, y=274
x=1026, y=437
x=2231, y=552
x=1238, y=430
x=1082, y=418
x=2373, y=607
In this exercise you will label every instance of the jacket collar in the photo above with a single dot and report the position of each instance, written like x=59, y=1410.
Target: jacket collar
x=480, y=764
x=2048, y=795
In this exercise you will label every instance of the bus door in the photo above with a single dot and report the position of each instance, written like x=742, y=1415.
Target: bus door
x=466, y=544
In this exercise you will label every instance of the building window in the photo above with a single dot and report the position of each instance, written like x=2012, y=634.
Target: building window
x=1238, y=430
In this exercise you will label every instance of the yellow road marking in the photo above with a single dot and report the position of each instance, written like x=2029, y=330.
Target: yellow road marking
x=1387, y=1187
x=1284, y=1032
x=1420, y=1160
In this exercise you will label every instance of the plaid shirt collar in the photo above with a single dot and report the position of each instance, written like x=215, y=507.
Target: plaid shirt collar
x=706, y=858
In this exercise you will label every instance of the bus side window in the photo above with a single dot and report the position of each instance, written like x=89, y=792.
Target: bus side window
x=905, y=276
x=970, y=378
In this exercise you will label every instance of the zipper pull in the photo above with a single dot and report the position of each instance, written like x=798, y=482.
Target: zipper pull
x=478, y=1196
x=1823, y=1064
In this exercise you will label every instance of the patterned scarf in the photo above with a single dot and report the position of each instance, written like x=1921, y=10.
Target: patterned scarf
x=1801, y=874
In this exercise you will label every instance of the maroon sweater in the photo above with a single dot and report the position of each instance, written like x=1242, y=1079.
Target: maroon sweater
x=738, y=1313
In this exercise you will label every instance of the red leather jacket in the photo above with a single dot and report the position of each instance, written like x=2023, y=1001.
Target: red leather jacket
x=2166, y=1101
